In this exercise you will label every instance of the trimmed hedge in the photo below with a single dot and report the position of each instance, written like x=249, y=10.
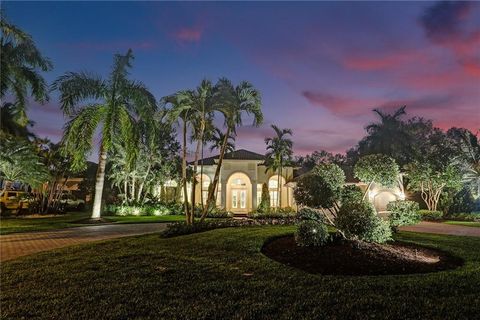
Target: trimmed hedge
x=431, y=215
x=403, y=213
x=472, y=216
x=311, y=233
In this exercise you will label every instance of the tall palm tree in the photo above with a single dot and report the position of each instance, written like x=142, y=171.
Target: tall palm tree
x=217, y=139
x=233, y=102
x=202, y=102
x=21, y=63
x=113, y=104
x=279, y=150
x=182, y=109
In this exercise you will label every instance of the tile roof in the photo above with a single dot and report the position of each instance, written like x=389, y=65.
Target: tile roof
x=241, y=154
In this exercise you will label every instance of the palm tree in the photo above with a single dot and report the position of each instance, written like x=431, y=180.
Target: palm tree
x=389, y=136
x=21, y=63
x=233, y=102
x=11, y=122
x=113, y=104
x=217, y=139
x=181, y=109
x=279, y=150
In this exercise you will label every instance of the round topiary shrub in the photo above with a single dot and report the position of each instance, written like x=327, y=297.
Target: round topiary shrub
x=359, y=221
x=403, y=213
x=311, y=233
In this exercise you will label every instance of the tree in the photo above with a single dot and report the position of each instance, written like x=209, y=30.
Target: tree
x=113, y=104
x=377, y=168
x=264, y=205
x=21, y=64
x=321, y=189
x=233, y=102
x=19, y=162
x=431, y=181
x=279, y=151
x=217, y=138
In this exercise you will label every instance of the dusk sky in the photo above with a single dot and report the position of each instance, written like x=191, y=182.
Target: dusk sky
x=321, y=66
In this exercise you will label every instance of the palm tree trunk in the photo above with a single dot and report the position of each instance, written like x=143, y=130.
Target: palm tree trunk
x=99, y=181
x=195, y=166
x=212, y=190
x=201, y=182
x=280, y=186
x=184, y=172
x=368, y=189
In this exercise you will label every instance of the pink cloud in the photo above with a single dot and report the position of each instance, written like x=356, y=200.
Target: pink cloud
x=383, y=62
x=188, y=34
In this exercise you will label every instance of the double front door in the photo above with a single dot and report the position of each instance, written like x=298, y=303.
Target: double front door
x=239, y=200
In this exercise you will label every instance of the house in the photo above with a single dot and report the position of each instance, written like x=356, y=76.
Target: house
x=242, y=175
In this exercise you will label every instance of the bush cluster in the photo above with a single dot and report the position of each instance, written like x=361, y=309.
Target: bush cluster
x=272, y=215
x=359, y=221
x=157, y=209
x=403, y=213
x=311, y=233
x=472, y=216
x=431, y=215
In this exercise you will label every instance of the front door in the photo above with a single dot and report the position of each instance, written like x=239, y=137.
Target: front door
x=239, y=200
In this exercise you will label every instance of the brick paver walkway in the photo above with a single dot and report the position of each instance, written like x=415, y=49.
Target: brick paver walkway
x=442, y=228
x=21, y=244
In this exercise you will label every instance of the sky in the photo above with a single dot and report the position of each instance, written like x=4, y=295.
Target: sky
x=321, y=66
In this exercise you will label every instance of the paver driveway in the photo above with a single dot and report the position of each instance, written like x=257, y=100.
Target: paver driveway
x=442, y=228
x=20, y=244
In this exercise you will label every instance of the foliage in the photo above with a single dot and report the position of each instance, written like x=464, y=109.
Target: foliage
x=213, y=213
x=430, y=181
x=359, y=221
x=19, y=162
x=351, y=193
x=307, y=213
x=21, y=63
x=279, y=153
x=264, y=205
x=464, y=216
x=157, y=209
x=115, y=104
x=430, y=215
x=403, y=213
x=321, y=188
x=311, y=233
x=273, y=215
x=377, y=168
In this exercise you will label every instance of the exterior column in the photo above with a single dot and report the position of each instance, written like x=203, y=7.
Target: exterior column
x=223, y=203
x=254, y=195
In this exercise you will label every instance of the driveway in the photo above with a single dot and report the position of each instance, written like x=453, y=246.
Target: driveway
x=442, y=228
x=21, y=244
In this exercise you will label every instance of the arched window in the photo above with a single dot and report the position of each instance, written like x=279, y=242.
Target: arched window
x=274, y=190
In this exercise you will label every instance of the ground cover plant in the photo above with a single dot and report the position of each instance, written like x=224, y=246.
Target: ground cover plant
x=206, y=275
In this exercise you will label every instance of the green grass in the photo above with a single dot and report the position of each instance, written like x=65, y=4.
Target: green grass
x=12, y=225
x=463, y=223
x=221, y=274
x=144, y=219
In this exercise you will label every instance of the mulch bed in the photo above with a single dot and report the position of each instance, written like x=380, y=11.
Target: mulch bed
x=359, y=258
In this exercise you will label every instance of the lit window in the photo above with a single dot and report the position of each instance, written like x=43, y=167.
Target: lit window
x=238, y=182
x=273, y=198
x=273, y=183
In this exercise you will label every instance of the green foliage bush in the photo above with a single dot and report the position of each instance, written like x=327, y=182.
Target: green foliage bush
x=351, y=193
x=431, y=215
x=311, y=233
x=272, y=215
x=359, y=221
x=403, y=213
x=377, y=168
x=158, y=209
x=264, y=205
x=465, y=216
x=213, y=213
x=307, y=213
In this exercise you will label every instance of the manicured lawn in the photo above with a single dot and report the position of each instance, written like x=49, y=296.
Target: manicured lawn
x=144, y=219
x=464, y=223
x=11, y=225
x=222, y=274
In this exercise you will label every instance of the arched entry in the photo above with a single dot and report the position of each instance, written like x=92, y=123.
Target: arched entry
x=239, y=193
x=382, y=199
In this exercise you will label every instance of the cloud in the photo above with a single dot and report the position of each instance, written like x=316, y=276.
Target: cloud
x=443, y=20
x=387, y=61
x=339, y=105
x=186, y=35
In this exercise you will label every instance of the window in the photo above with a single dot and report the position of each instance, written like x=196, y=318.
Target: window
x=273, y=183
x=205, y=184
x=238, y=182
x=204, y=196
x=273, y=198
x=259, y=193
x=234, y=199
x=243, y=199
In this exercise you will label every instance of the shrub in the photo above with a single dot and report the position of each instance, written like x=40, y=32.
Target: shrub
x=403, y=213
x=155, y=209
x=377, y=168
x=264, y=205
x=310, y=214
x=431, y=215
x=311, y=233
x=358, y=221
x=213, y=213
x=472, y=216
x=351, y=193
x=272, y=215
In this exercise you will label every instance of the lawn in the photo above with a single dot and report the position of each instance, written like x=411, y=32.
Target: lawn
x=221, y=274
x=464, y=223
x=13, y=225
